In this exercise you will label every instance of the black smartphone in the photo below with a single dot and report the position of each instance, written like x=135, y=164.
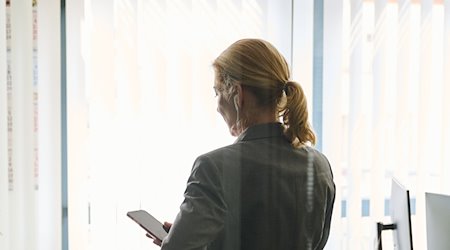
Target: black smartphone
x=149, y=223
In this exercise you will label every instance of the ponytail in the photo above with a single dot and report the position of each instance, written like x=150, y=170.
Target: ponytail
x=295, y=116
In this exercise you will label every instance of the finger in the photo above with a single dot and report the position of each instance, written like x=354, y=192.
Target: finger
x=157, y=242
x=167, y=226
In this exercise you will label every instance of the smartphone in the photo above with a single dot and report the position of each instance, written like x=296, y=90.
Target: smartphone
x=149, y=223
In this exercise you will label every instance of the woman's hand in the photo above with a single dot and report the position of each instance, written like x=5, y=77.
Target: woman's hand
x=167, y=226
x=156, y=241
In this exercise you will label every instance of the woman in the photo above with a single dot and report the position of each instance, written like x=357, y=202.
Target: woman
x=268, y=190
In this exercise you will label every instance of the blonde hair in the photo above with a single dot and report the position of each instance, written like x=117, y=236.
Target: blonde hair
x=257, y=65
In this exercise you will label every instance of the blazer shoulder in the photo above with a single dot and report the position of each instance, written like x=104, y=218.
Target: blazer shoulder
x=222, y=151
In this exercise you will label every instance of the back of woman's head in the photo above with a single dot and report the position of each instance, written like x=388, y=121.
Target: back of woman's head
x=258, y=66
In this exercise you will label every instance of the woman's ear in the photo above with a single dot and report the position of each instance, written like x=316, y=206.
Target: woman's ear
x=236, y=100
x=239, y=96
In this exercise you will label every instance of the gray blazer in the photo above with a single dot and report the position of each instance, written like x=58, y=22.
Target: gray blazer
x=258, y=193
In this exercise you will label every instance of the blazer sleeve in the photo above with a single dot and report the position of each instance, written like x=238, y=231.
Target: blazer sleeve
x=202, y=213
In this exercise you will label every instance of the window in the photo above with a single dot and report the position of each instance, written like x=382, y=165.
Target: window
x=343, y=208
x=365, y=208
x=387, y=211
x=386, y=107
x=141, y=87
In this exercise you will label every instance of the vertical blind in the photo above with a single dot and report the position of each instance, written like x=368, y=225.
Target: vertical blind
x=386, y=110
x=140, y=88
x=141, y=104
x=29, y=125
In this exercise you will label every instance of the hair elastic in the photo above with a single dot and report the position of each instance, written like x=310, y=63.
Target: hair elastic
x=285, y=86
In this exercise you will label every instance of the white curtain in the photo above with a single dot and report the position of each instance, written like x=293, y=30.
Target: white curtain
x=141, y=104
x=386, y=110
x=30, y=149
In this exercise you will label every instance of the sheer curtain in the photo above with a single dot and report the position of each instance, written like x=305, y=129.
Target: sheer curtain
x=386, y=110
x=142, y=107
x=30, y=202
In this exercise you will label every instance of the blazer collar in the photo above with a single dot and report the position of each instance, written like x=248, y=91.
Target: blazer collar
x=260, y=131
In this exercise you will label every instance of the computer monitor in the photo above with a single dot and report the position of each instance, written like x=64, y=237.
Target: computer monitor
x=400, y=209
x=400, y=212
x=437, y=207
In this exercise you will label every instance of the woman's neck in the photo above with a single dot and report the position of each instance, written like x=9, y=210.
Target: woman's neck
x=256, y=117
